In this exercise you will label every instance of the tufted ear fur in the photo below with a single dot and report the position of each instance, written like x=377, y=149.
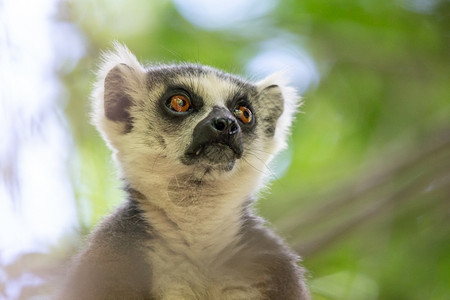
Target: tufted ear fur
x=281, y=103
x=120, y=80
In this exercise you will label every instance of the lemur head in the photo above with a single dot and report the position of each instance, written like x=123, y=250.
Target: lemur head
x=165, y=121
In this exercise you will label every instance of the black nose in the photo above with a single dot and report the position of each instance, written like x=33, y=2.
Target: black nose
x=224, y=125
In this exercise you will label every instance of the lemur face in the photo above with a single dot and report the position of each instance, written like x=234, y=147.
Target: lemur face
x=207, y=117
x=189, y=119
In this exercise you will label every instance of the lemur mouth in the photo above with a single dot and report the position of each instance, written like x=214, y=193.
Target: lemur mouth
x=203, y=149
x=214, y=153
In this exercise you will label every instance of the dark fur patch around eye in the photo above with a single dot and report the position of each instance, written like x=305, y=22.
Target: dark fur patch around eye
x=117, y=101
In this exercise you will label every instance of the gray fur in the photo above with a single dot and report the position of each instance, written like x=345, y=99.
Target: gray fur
x=187, y=230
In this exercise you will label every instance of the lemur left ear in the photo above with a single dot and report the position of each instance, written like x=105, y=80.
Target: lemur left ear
x=271, y=103
x=281, y=103
x=120, y=79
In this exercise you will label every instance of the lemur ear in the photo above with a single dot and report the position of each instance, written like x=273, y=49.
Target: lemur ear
x=271, y=102
x=120, y=79
x=280, y=102
x=116, y=99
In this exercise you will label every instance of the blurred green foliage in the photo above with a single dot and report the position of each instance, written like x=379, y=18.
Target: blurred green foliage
x=369, y=154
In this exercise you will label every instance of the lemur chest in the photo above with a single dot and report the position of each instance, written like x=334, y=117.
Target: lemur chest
x=199, y=276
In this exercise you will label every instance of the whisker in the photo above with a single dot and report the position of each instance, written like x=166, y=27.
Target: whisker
x=261, y=151
x=260, y=171
x=270, y=173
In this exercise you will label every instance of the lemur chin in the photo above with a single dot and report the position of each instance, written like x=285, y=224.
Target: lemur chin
x=192, y=145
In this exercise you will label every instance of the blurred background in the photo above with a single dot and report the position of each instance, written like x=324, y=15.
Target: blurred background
x=362, y=193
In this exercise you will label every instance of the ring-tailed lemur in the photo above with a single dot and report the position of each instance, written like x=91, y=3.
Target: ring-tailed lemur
x=192, y=144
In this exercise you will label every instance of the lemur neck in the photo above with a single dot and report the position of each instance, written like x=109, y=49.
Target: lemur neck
x=193, y=214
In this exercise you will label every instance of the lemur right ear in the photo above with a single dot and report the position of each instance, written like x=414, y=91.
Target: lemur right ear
x=120, y=81
x=117, y=100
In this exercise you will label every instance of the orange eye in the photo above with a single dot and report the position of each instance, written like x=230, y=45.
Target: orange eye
x=244, y=114
x=179, y=103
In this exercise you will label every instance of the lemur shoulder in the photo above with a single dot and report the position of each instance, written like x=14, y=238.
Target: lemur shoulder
x=192, y=144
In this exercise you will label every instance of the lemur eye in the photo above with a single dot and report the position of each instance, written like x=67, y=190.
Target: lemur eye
x=244, y=114
x=179, y=103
